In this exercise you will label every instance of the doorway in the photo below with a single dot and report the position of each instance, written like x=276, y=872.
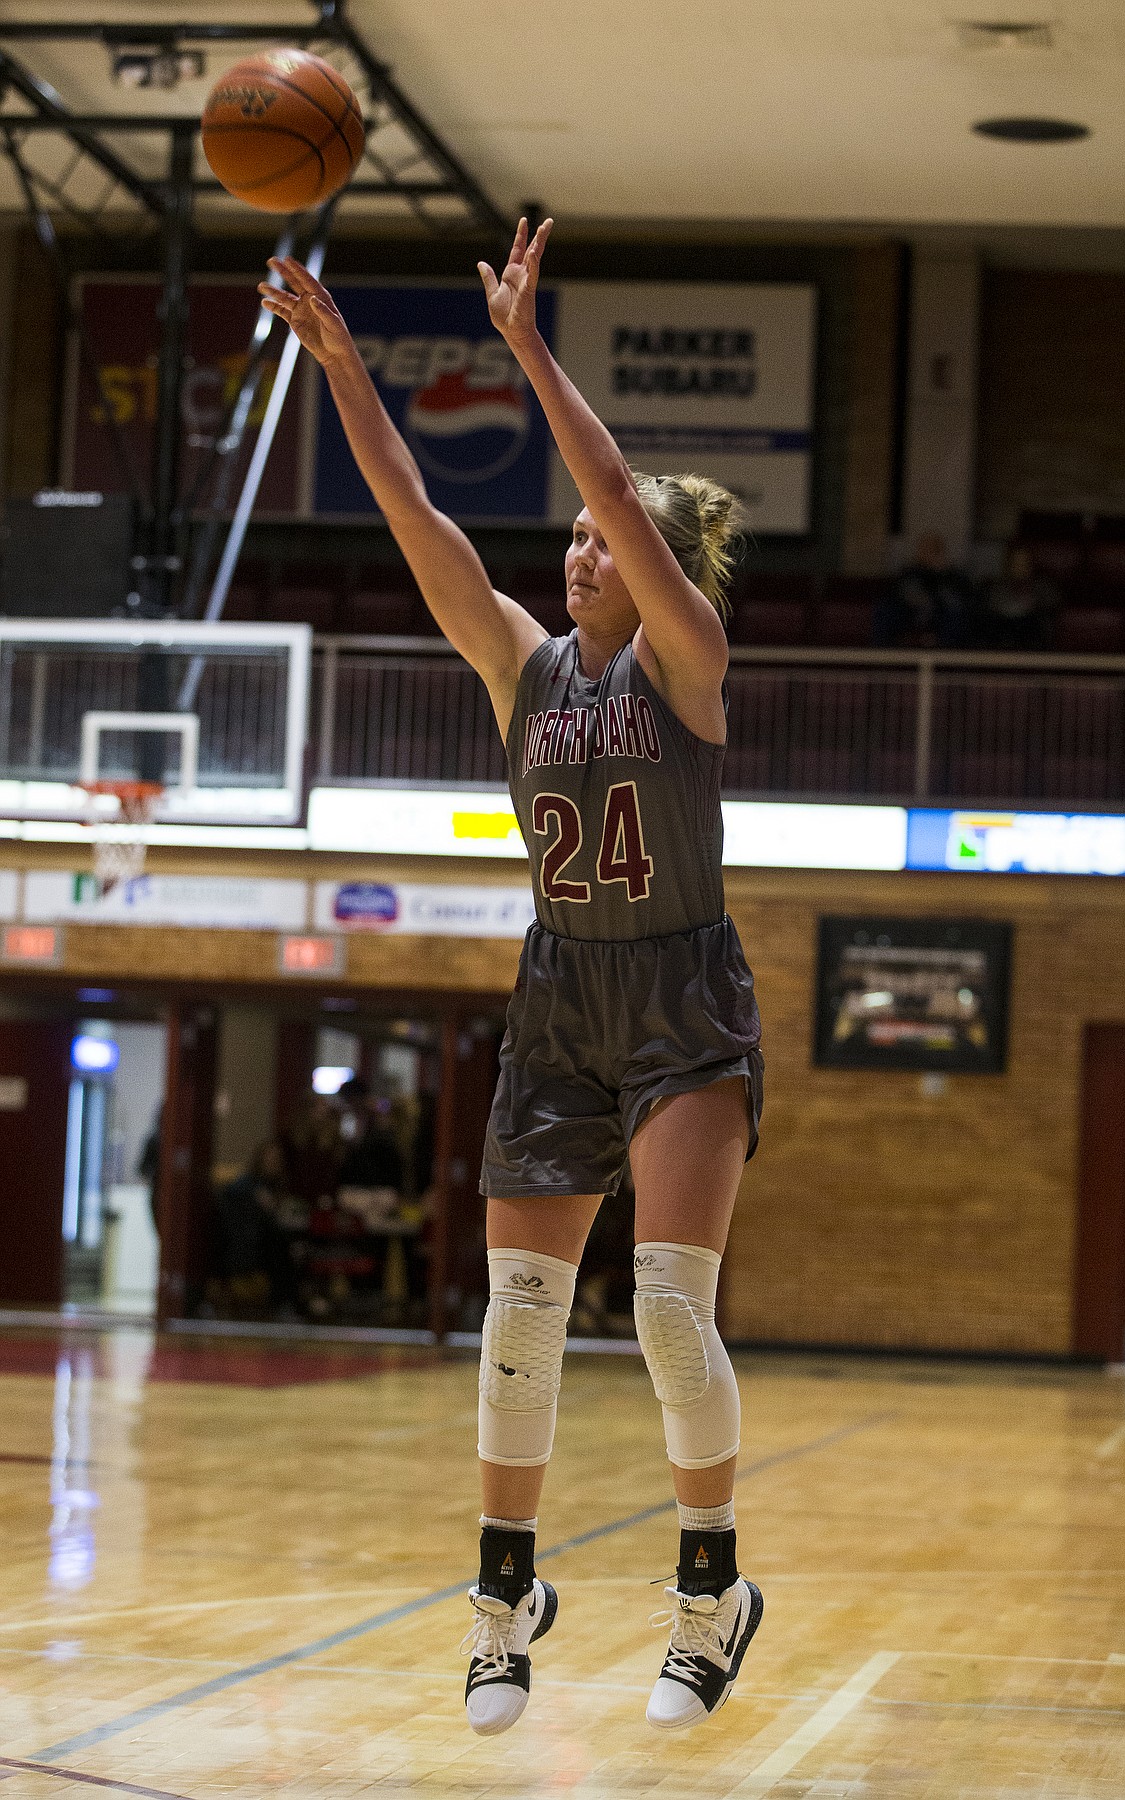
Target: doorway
x=111, y=1250
x=80, y=1095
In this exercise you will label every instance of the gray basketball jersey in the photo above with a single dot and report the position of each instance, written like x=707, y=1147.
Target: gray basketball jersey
x=617, y=800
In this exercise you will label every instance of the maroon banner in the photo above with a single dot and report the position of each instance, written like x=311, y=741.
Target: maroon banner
x=123, y=325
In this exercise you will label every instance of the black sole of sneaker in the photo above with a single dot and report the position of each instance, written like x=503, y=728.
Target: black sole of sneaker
x=551, y=1607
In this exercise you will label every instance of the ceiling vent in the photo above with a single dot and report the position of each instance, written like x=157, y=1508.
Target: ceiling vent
x=998, y=34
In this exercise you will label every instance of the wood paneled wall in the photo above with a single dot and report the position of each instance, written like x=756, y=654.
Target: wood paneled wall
x=876, y=278
x=1052, y=376
x=873, y=1214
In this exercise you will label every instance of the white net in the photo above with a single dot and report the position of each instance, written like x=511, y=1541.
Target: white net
x=118, y=816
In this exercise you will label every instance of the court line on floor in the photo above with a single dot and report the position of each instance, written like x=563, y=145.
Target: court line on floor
x=393, y=1615
x=75, y=1621
x=806, y=1737
x=1113, y=1442
x=103, y=1781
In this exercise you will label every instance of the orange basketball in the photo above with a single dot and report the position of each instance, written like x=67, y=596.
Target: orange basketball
x=282, y=131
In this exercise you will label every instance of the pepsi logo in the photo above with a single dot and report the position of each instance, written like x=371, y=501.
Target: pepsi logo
x=466, y=415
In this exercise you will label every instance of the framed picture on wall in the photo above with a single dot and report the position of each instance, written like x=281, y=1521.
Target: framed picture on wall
x=910, y=993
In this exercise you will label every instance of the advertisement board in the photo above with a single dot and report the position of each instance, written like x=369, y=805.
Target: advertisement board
x=712, y=377
x=715, y=377
x=423, y=909
x=1026, y=843
x=216, y=902
x=122, y=323
x=709, y=377
x=455, y=392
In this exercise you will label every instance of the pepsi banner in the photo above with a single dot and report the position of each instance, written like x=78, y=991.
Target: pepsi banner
x=457, y=394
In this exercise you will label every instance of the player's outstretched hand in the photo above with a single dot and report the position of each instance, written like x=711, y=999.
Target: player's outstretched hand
x=308, y=309
x=511, y=297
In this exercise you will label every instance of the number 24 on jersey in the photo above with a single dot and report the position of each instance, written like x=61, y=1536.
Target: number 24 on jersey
x=621, y=856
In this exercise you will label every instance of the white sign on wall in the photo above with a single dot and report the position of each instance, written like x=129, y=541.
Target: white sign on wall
x=757, y=834
x=711, y=377
x=222, y=902
x=414, y=822
x=424, y=910
x=9, y=894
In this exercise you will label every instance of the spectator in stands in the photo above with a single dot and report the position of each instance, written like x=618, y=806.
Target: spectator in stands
x=372, y=1158
x=253, y=1245
x=1019, y=609
x=313, y=1148
x=928, y=604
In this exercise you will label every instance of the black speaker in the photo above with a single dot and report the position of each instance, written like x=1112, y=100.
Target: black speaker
x=65, y=555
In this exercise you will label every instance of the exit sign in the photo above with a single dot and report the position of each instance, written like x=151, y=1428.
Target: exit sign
x=310, y=955
x=40, y=945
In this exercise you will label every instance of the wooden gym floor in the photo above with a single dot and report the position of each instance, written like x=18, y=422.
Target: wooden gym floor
x=239, y=1572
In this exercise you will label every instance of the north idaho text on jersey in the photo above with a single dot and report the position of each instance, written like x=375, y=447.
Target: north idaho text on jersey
x=622, y=725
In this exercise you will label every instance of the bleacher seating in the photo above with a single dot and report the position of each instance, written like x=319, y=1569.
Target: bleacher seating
x=1090, y=629
x=771, y=609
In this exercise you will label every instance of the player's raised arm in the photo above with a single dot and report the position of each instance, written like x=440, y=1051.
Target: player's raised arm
x=492, y=632
x=680, y=625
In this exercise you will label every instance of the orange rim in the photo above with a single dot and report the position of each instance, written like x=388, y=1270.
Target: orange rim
x=136, y=798
x=125, y=790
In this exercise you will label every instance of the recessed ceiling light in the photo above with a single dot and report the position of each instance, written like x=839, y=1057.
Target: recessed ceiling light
x=1032, y=131
x=1004, y=34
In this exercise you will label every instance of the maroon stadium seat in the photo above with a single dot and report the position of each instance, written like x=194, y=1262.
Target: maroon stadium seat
x=399, y=614
x=1093, y=629
x=1106, y=563
x=315, y=606
x=779, y=622
x=1060, y=558
x=845, y=624
x=244, y=603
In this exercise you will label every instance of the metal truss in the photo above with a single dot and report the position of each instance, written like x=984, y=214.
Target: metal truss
x=405, y=163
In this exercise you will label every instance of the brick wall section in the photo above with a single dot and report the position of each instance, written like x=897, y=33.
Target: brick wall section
x=874, y=1215
x=870, y=444
x=1052, y=376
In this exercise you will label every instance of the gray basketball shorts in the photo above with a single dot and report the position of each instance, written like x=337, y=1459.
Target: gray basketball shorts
x=598, y=1031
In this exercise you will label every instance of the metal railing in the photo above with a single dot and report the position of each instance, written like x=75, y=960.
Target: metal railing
x=911, y=727
x=921, y=727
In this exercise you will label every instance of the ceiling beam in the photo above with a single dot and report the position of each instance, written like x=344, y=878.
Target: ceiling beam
x=49, y=108
x=332, y=23
x=384, y=87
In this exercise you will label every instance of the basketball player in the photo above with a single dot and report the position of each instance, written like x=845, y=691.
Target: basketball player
x=633, y=1031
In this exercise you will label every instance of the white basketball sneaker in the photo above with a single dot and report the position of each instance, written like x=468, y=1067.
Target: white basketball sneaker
x=708, y=1643
x=497, y=1644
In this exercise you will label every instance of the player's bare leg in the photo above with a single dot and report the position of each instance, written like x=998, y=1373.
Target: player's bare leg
x=534, y=1248
x=687, y=1159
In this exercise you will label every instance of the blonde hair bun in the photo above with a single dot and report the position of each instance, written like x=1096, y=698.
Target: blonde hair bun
x=701, y=523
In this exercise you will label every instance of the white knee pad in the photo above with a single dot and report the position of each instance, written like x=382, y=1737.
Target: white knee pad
x=522, y=1346
x=691, y=1371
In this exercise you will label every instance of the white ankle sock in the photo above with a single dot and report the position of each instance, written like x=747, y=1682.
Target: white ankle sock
x=706, y=1518
x=508, y=1524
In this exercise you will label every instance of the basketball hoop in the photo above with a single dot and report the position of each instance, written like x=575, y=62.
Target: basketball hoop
x=120, y=837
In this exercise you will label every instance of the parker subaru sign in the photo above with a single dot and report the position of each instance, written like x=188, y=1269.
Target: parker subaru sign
x=717, y=378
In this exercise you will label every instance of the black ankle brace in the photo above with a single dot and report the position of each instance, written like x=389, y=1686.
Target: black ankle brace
x=708, y=1562
x=507, y=1563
